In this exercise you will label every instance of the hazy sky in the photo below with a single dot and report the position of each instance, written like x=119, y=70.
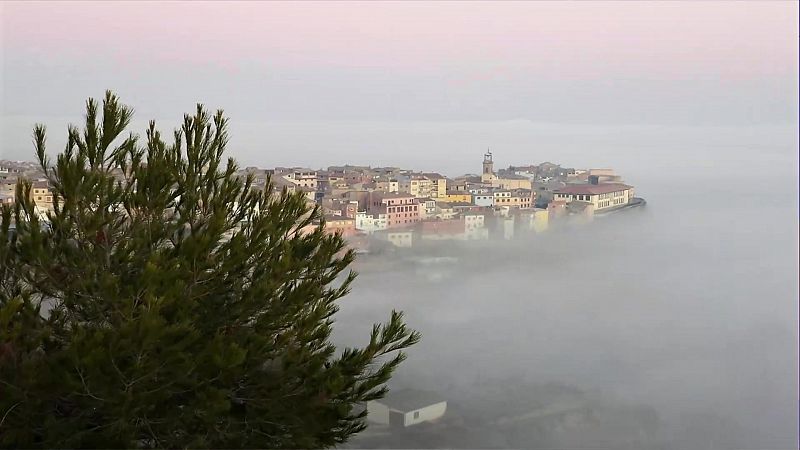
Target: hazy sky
x=625, y=63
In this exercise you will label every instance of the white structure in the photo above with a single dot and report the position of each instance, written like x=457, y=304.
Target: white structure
x=406, y=408
x=370, y=223
x=475, y=226
x=507, y=226
x=502, y=198
x=306, y=178
x=479, y=190
x=427, y=208
x=483, y=199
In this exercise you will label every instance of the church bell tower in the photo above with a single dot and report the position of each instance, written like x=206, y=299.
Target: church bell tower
x=488, y=166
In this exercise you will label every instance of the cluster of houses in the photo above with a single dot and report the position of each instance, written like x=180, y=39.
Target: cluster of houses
x=11, y=171
x=401, y=207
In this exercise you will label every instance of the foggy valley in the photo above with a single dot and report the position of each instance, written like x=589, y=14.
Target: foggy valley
x=675, y=322
x=672, y=326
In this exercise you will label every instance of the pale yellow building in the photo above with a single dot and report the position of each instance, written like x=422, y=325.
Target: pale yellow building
x=541, y=220
x=458, y=197
x=511, y=183
x=42, y=196
x=513, y=199
x=602, y=196
x=418, y=186
x=439, y=185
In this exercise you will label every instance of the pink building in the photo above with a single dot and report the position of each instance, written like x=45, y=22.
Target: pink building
x=402, y=210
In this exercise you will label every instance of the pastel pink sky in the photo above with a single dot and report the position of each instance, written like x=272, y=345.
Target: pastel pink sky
x=666, y=40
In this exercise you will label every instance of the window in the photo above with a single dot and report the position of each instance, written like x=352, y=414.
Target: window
x=416, y=414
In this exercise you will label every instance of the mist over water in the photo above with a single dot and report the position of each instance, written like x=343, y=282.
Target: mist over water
x=685, y=310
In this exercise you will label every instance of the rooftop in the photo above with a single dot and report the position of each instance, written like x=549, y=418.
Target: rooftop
x=407, y=400
x=383, y=195
x=512, y=176
x=592, y=189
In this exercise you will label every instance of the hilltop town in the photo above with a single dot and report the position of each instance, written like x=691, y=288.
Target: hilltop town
x=378, y=208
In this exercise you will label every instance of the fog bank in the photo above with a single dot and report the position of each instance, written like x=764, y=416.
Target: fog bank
x=677, y=322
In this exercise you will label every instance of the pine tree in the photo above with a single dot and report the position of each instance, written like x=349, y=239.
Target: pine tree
x=166, y=302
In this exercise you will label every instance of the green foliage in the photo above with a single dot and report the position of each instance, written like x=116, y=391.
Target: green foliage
x=164, y=302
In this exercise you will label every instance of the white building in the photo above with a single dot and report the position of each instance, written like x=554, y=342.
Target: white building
x=502, y=198
x=406, y=408
x=305, y=178
x=475, y=226
x=427, y=208
x=479, y=190
x=483, y=199
x=370, y=223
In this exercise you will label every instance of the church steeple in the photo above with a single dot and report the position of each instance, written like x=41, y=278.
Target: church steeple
x=488, y=165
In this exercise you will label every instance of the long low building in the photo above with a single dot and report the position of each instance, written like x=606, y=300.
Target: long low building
x=602, y=196
x=406, y=408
